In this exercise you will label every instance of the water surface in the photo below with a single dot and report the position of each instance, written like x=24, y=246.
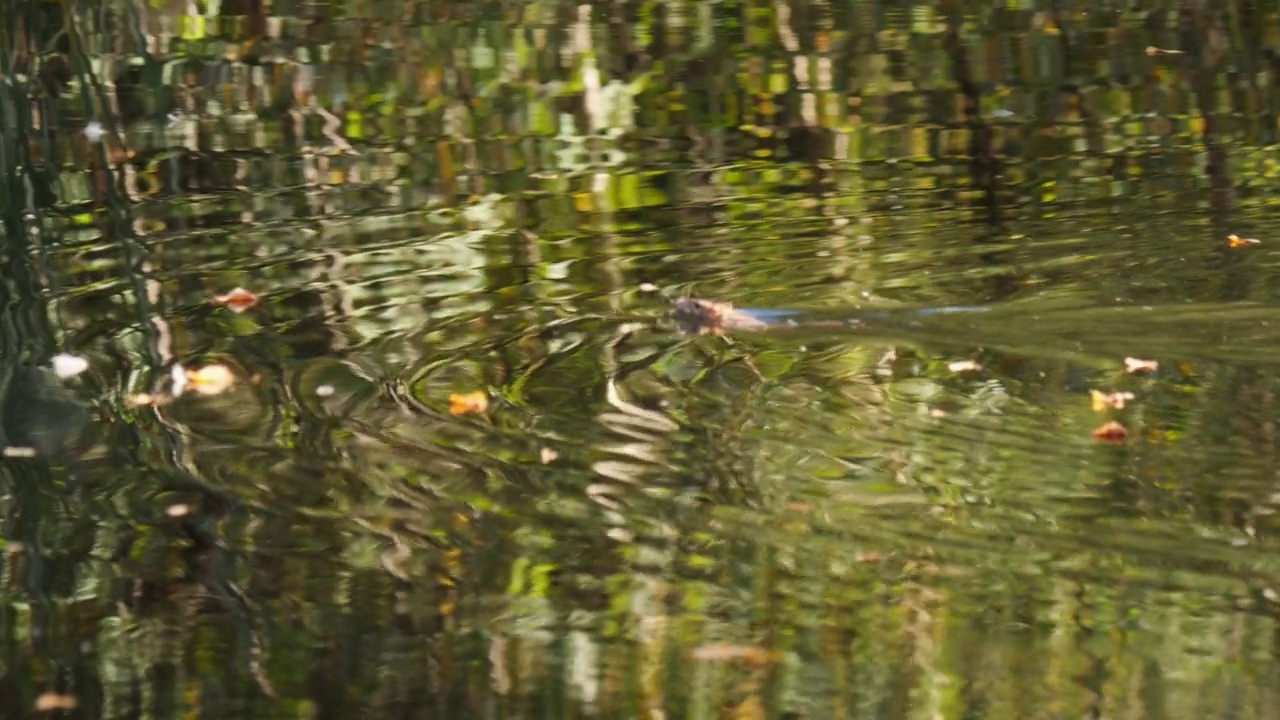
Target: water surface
x=829, y=520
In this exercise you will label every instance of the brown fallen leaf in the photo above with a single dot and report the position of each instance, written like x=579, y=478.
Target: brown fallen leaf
x=211, y=379
x=238, y=300
x=472, y=402
x=1112, y=433
x=960, y=366
x=1102, y=401
x=51, y=702
x=1138, y=365
x=1235, y=241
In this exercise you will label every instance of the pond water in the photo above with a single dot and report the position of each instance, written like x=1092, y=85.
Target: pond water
x=470, y=467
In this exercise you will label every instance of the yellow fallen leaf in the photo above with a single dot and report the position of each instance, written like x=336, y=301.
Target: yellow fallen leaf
x=211, y=379
x=472, y=402
x=1102, y=401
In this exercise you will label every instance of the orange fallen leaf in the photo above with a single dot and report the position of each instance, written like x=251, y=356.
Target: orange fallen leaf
x=51, y=701
x=1236, y=241
x=724, y=652
x=960, y=366
x=238, y=300
x=1102, y=401
x=211, y=379
x=1137, y=365
x=472, y=402
x=1112, y=433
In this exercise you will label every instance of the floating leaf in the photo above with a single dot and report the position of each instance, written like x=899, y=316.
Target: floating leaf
x=211, y=379
x=1236, y=241
x=1112, y=433
x=68, y=366
x=1102, y=401
x=144, y=399
x=52, y=702
x=472, y=402
x=1137, y=365
x=94, y=131
x=178, y=374
x=724, y=652
x=238, y=300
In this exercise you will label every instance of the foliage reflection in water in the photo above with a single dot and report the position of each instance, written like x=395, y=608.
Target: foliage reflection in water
x=461, y=461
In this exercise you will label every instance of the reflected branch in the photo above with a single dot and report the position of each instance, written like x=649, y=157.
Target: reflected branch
x=984, y=168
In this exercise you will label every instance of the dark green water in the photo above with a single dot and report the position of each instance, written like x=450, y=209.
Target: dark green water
x=435, y=198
